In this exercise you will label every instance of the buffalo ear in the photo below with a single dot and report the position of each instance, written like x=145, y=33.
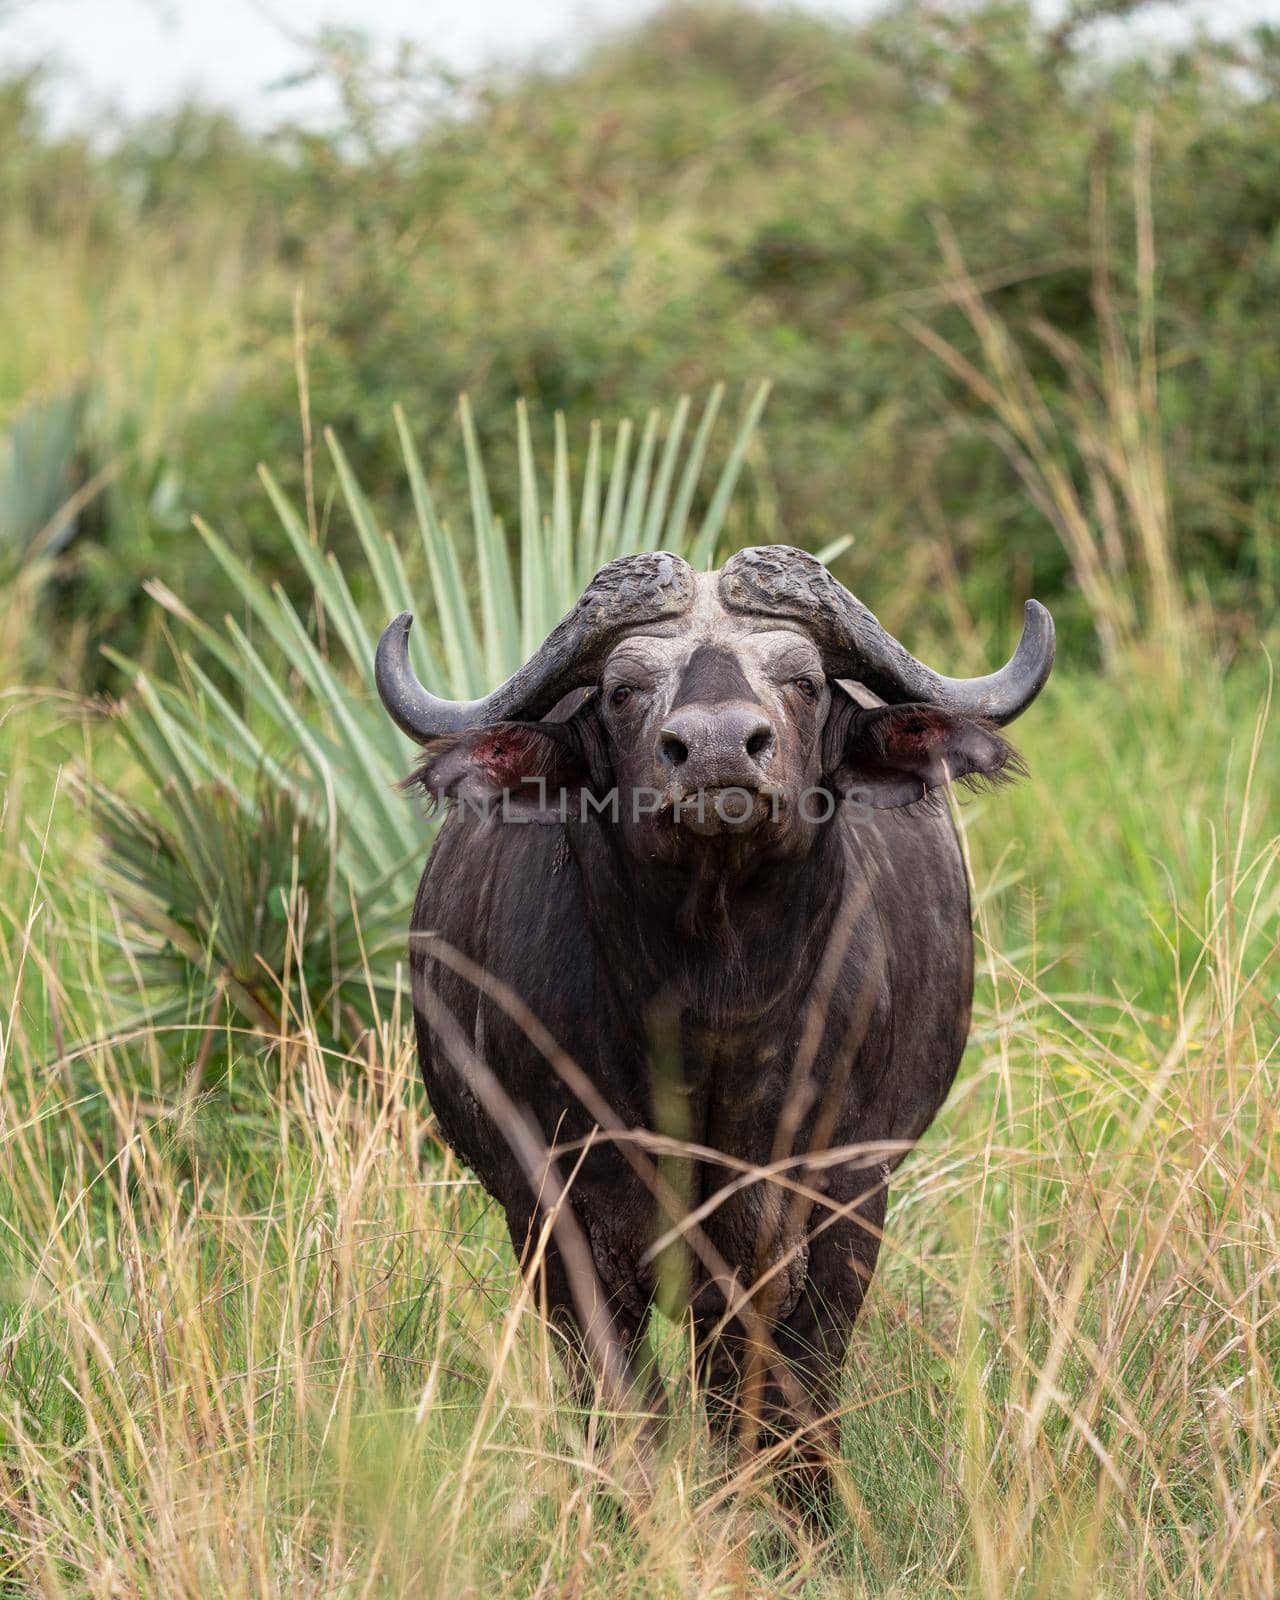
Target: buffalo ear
x=894, y=755
x=525, y=767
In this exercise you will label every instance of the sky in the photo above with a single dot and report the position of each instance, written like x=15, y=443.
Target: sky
x=143, y=55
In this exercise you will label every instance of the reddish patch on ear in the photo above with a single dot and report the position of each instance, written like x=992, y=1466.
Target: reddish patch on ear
x=915, y=734
x=506, y=755
x=894, y=755
x=498, y=760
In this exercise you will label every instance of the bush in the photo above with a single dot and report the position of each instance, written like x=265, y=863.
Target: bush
x=722, y=192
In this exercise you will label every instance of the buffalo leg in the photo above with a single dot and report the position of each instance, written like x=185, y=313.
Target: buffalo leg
x=787, y=1386
x=615, y=1341
x=814, y=1339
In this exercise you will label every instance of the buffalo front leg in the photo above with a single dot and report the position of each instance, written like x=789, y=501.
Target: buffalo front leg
x=776, y=1386
x=814, y=1339
x=600, y=1334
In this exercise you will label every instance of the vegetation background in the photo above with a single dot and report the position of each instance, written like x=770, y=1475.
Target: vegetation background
x=1015, y=295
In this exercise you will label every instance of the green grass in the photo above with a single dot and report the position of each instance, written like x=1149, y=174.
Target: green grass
x=259, y=1334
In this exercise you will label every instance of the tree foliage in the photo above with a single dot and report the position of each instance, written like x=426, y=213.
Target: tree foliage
x=722, y=193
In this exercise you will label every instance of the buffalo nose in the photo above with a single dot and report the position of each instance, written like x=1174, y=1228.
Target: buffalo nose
x=717, y=746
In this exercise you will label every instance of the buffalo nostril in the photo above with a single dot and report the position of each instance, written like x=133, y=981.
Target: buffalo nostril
x=674, y=749
x=760, y=743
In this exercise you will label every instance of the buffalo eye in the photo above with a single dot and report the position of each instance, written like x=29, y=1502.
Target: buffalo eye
x=620, y=695
x=807, y=687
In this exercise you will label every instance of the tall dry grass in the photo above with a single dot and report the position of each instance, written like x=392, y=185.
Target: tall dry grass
x=262, y=1336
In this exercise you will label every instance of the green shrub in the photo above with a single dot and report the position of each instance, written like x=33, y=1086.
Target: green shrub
x=722, y=192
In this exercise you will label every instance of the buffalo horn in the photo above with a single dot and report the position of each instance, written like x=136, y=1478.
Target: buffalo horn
x=628, y=592
x=780, y=582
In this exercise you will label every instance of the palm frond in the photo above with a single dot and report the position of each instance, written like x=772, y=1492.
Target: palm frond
x=270, y=738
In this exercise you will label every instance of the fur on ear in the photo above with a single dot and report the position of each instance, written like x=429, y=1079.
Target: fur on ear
x=521, y=764
x=896, y=755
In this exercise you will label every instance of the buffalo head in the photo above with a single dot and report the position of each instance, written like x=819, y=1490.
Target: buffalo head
x=714, y=715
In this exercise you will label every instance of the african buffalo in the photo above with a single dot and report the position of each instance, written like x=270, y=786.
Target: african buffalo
x=692, y=881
